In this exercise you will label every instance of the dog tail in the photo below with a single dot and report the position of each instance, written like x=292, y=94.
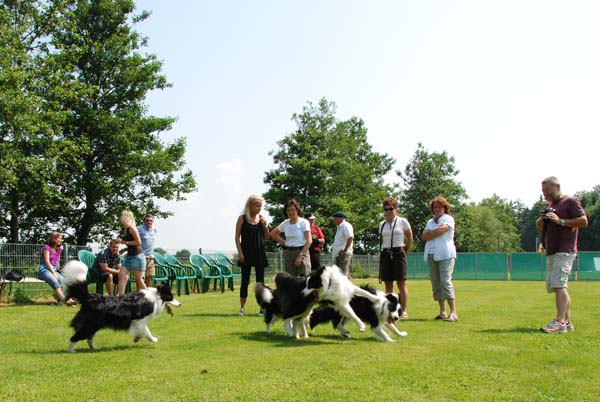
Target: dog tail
x=323, y=315
x=75, y=283
x=264, y=294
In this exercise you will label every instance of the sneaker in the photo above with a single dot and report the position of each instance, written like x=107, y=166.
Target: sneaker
x=242, y=312
x=452, y=318
x=404, y=315
x=570, y=326
x=555, y=326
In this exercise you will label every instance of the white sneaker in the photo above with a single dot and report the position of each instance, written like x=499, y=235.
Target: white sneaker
x=570, y=326
x=452, y=318
x=242, y=312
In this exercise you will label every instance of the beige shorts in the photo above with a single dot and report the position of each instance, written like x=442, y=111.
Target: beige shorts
x=150, y=267
x=558, y=269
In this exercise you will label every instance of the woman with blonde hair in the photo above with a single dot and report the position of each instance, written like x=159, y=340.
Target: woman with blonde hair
x=251, y=231
x=135, y=259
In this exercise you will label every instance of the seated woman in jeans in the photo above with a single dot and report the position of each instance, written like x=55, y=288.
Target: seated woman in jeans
x=48, y=270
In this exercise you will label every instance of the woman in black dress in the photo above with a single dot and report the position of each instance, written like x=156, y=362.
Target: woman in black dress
x=251, y=231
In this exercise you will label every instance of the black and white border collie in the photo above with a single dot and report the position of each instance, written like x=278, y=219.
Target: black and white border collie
x=287, y=303
x=130, y=312
x=380, y=315
x=333, y=286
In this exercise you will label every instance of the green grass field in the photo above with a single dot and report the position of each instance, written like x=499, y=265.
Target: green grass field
x=207, y=353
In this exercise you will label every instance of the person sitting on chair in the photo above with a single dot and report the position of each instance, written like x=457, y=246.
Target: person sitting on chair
x=108, y=265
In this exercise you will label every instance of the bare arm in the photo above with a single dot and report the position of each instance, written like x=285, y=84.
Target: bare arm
x=238, y=234
x=104, y=267
x=433, y=233
x=275, y=236
x=50, y=267
x=267, y=234
x=408, y=240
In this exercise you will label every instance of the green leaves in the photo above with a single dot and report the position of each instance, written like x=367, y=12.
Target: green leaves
x=328, y=165
x=426, y=176
x=77, y=144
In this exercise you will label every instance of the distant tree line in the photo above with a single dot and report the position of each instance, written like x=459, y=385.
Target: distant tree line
x=77, y=144
x=328, y=165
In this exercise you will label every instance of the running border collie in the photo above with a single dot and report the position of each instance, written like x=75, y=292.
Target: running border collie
x=333, y=286
x=287, y=302
x=130, y=312
x=380, y=315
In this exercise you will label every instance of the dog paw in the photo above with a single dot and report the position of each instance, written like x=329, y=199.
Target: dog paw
x=362, y=328
x=153, y=339
x=403, y=333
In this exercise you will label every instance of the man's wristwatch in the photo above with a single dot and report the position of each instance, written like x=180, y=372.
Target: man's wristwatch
x=561, y=222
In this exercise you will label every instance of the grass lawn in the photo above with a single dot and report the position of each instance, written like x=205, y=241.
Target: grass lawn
x=207, y=353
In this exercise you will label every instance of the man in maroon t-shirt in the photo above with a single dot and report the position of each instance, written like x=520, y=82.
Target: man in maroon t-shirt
x=563, y=216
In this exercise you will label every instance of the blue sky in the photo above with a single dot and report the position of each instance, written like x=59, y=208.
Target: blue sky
x=511, y=89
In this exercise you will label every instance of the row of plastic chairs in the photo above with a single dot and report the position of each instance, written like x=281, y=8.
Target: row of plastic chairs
x=196, y=276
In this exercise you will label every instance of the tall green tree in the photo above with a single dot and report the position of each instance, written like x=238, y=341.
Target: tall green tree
x=328, y=165
x=427, y=175
x=112, y=156
x=589, y=238
x=490, y=226
x=526, y=218
x=29, y=123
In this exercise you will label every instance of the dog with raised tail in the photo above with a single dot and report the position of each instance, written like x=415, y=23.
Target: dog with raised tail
x=333, y=286
x=380, y=315
x=129, y=312
x=287, y=303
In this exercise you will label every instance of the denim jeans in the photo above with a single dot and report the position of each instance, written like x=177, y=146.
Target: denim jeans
x=46, y=275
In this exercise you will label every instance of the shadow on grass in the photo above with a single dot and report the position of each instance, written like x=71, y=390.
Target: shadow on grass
x=515, y=330
x=282, y=340
x=82, y=348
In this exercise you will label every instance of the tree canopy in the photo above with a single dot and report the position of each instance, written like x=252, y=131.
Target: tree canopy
x=426, y=176
x=86, y=141
x=328, y=165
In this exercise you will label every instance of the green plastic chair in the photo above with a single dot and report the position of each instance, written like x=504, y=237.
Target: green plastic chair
x=198, y=265
x=88, y=258
x=232, y=268
x=168, y=273
x=211, y=271
x=183, y=273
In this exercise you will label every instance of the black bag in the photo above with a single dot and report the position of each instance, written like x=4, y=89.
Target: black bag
x=14, y=275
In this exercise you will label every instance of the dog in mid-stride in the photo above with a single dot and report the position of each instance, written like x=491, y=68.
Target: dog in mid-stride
x=130, y=312
x=333, y=286
x=287, y=302
x=380, y=315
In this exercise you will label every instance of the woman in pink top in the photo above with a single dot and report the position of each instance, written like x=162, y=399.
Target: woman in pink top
x=49, y=262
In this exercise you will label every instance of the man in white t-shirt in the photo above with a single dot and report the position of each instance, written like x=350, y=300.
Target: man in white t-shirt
x=342, y=243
